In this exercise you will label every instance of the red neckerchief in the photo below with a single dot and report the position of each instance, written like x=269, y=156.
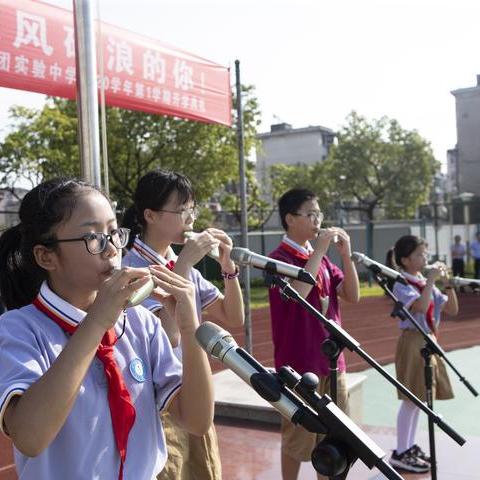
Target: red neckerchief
x=429, y=314
x=122, y=410
x=170, y=264
x=302, y=256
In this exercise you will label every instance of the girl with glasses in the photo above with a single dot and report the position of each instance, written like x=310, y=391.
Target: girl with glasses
x=82, y=378
x=163, y=211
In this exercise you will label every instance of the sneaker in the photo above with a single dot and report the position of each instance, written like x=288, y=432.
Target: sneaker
x=407, y=461
x=419, y=453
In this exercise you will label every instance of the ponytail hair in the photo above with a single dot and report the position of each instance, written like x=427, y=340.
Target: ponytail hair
x=153, y=192
x=390, y=259
x=130, y=220
x=42, y=209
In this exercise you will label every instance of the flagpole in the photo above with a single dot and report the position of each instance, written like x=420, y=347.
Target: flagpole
x=243, y=205
x=87, y=93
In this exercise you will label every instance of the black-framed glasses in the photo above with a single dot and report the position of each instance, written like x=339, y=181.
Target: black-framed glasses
x=185, y=213
x=311, y=216
x=97, y=242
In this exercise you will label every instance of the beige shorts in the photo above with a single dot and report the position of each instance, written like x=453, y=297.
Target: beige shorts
x=190, y=457
x=297, y=442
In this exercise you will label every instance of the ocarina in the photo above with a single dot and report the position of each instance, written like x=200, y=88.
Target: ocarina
x=141, y=294
x=443, y=272
x=334, y=239
x=214, y=252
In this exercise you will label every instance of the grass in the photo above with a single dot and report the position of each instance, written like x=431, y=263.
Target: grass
x=259, y=294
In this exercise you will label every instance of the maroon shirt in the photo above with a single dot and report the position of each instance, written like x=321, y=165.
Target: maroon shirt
x=297, y=335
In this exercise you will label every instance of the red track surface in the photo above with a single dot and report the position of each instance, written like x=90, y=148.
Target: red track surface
x=370, y=323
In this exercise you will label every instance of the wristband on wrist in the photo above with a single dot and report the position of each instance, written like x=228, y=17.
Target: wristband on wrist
x=231, y=276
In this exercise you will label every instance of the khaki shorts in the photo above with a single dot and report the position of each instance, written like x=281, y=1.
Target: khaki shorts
x=189, y=457
x=297, y=442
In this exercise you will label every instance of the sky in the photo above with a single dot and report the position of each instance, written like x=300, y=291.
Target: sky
x=314, y=61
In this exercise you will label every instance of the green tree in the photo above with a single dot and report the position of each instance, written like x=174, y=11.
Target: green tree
x=379, y=163
x=43, y=144
x=313, y=177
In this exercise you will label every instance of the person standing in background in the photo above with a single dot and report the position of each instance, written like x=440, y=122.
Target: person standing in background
x=475, y=253
x=458, y=252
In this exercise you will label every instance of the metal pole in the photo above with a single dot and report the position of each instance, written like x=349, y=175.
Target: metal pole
x=87, y=96
x=243, y=203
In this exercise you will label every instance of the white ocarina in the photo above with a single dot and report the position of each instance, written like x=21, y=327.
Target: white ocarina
x=214, y=252
x=141, y=294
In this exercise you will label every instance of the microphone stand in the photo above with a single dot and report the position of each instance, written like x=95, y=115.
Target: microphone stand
x=344, y=442
x=431, y=347
x=332, y=351
x=343, y=339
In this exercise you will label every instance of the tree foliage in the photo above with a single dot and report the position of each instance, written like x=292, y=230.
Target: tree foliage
x=374, y=164
x=43, y=144
x=379, y=163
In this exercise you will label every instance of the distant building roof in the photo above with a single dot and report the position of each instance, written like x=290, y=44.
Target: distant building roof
x=285, y=128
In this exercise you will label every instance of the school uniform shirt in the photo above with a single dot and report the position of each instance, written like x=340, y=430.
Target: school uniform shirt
x=475, y=249
x=298, y=335
x=458, y=251
x=85, y=448
x=141, y=255
x=407, y=294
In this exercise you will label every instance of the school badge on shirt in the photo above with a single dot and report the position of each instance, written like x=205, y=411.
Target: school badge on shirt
x=137, y=369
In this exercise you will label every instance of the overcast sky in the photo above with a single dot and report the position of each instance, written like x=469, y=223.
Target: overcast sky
x=314, y=61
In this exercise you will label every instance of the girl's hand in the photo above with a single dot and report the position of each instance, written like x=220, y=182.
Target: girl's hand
x=436, y=271
x=444, y=275
x=114, y=295
x=182, y=291
x=196, y=247
x=225, y=246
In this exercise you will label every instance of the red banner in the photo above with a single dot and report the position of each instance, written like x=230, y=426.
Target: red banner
x=37, y=53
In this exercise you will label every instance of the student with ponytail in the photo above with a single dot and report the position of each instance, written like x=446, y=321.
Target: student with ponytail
x=163, y=213
x=426, y=302
x=83, y=378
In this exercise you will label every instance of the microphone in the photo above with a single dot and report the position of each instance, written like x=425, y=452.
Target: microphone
x=220, y=344
x=466, y=282
x=243, y=256
x=376, y=267
x=342, y=433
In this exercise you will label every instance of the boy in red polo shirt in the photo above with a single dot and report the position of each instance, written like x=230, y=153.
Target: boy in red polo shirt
x=297, y=335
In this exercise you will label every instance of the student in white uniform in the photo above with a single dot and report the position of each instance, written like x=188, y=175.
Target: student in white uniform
x=82, y=377
x=163, y=211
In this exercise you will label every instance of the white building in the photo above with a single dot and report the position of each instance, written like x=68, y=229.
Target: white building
x=290, y=146
x=464, y=160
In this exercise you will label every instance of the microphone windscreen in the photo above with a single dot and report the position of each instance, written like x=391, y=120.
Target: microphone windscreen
x=238, y=254
x=356, y=257
x=208, y=334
